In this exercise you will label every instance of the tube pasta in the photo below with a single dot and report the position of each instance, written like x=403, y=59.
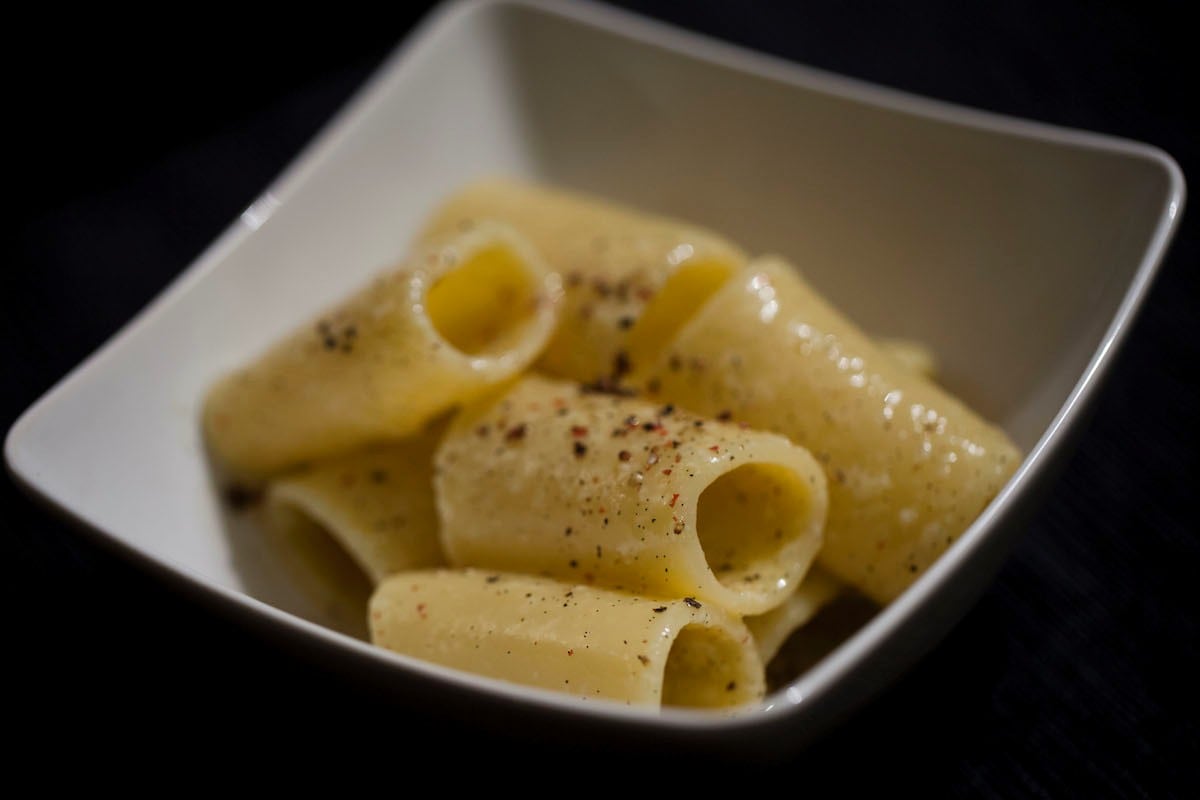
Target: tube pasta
x=773, y=628
x=909, y=466
x=630, y=278
x=653, y=550
x=461, y=315
x=551, y=479
x=376, y=503
x=585, y=641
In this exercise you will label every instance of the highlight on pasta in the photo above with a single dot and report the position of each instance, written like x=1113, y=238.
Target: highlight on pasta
x=459, y=315
x=587, y=449
x=550, y=478
x=590, y=642
x=909, y=466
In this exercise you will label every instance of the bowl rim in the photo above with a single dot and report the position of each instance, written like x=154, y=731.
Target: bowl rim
x=823, y=676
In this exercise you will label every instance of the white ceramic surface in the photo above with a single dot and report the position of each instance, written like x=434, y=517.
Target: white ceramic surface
x=1018, y=251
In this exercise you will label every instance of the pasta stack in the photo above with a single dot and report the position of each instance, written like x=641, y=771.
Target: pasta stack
x=586, y=449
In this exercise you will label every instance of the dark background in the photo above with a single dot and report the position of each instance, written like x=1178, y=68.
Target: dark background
x=139, y=139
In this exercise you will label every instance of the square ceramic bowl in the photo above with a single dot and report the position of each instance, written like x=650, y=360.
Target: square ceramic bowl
x=1019, y=252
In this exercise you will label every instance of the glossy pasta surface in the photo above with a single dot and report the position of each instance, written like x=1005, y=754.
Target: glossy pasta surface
x=589, y=642
x=909, y=466
x=630, y=278
x=458, y=316
x=550, y=478
x=583, y=448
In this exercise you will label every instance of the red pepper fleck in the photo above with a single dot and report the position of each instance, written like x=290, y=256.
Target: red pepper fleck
x=666, y=472
x=516, y=433
x=624, y=455
x=421, y=610
x=715, y=449
x=674, y=497
x=570, y=652
x=579, y=430
x=725, y=415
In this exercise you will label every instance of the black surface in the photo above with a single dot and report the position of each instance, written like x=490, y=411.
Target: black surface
x=135, y=145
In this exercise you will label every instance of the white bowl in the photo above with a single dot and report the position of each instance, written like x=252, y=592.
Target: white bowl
x=1020, y=252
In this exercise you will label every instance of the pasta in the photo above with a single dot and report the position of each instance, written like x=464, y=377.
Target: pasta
x=578, y=447
x=376, y=503
x=551, y=479
x=461, y=315
x=772, y=628
x=910, y=467
x=589, y=642
x=630, y=279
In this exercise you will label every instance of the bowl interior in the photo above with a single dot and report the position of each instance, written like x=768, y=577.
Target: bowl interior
x=1005, y=247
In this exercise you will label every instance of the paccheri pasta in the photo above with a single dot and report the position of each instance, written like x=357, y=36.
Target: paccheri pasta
x=582, y=448
x=550, y=478
x=592, y=642
x=461, y=314
x=909, y=466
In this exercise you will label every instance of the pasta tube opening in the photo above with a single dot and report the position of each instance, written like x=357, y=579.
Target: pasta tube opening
x=685, y=291
x=317, y=547
x=630, y=279
x=617, y=487
x=486, y=305
x=585, y=641
x=378, y=366
x=377, y=504
x=909, y=467
x=317, y=563
x=708, y=668
x=747, y=520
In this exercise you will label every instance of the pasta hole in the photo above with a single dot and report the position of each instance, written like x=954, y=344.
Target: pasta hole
x=745, y=518
x=319, y=567
x=674, y=304
x=706, y=668
x=484, y=305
